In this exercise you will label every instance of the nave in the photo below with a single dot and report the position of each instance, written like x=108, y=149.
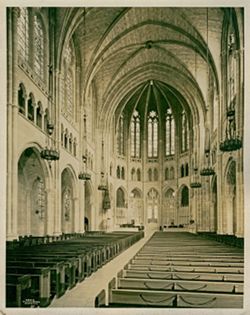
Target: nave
x=180, y=270
x=40, y=269
x=123, y=123
x=163, y=269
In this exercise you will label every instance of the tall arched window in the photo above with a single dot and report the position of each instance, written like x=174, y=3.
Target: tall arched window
x=150, y=174
x=74, y=147
x=68, y=79
x=123, y=172
x=46, y=120
x=152, y=134
x=31, y=105
x=118, y=172
x=39, y=198
x=120, y=136
x=184, y=132
x=170, y=133
x=138, y=175
x=62, y=134
x=23, y=33
x=39, y=115
x=184, y=197
x=70, y=142
x=232, y=68
x=66, y=135
x=67, y=204
x=182, y=170
x=120, y=198
x=152, y=205
x=21, y=99
x=166, y=173
x=135, y=135
x=133, y=174
x=38, y=47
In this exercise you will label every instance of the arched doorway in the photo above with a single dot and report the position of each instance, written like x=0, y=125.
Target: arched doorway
x=136, y=207
x=230, y=199
x=32, y=194
x=88, y=207
x=153, y=208
x=183, y=212
x=67, y=201
x=121, y=207
x=86, y=224
x=169, y=209
x=214, y=205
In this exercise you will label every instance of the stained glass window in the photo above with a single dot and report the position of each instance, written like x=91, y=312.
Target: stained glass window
x=40, y=198
x=135, y=135
x=170, y=133
x=38, y=47
x=152, y=134
x=184, y=132
x=120, y=136
x=23, y=33
x=67, y=204
x=68, y=86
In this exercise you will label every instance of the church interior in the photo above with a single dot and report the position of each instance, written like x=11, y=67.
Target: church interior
x=125, y=169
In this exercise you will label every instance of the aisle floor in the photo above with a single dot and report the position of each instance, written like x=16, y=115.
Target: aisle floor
x=84, y=293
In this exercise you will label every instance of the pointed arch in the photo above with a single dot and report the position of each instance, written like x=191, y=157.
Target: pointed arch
x=33, y=184
x=22, y=99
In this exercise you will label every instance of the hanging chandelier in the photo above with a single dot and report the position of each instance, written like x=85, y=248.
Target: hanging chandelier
x=195, y=183
x=50, y=153
x=208, y=170
x=232, y=141
x=102, y=185
x=83, y=175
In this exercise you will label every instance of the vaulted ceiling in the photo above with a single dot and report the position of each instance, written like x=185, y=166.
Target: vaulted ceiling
x=121, y=48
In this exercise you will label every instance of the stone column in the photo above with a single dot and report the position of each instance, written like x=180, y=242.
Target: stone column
x=12, y=116
x=50, y=212
x=220, y=195
x=76, y=223
x=82, y=207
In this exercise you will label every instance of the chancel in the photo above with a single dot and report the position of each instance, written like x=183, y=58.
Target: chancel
x=125, y=157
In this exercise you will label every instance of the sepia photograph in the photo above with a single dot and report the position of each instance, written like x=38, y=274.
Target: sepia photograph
x=124, y=158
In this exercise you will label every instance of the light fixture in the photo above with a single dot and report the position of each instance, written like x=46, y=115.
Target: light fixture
x=195, y=183
x=207, y=170
x=50, y=153
x=232, y=141
x=102, y=185
x=84, y=175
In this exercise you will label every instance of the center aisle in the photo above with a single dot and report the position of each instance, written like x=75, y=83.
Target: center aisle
x=83, y=295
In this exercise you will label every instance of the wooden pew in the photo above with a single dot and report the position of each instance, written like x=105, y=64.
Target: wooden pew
x=237, y=270
x=180, y=285
x=57, y=270
x=70, y=265
x=191, y=257
x=17, y=290
x=100, y=299
x=237, y=278
x=40, y=282
x=189, y=262
x=154, y=298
